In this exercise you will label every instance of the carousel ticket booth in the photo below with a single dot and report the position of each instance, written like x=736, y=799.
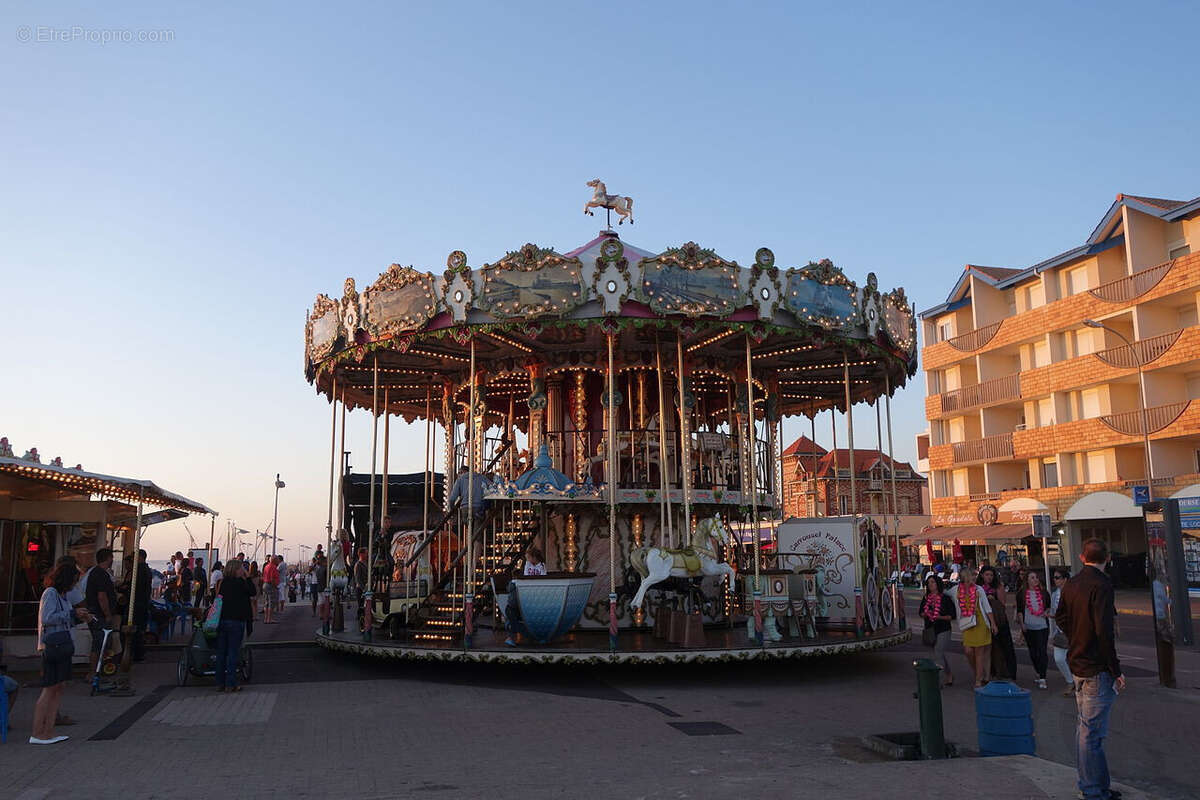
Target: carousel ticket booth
x=48, y=511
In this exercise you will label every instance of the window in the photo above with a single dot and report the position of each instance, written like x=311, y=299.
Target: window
x=945, y=330
x=1077, y=280
x=1090, y=400
x=843, y=472
x=1049, y=473
x=904, y=506
x=903, y=473
x=874, y=504
x=843, y=504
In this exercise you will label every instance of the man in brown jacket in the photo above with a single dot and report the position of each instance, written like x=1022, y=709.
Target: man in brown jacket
x=1087, y=615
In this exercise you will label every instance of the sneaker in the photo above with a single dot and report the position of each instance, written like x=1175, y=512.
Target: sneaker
x=55, y=740
x=1041, y=683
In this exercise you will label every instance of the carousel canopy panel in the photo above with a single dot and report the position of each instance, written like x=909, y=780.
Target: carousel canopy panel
x=535, y=312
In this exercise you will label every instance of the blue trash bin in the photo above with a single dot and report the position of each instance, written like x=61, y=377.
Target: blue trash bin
x=1004, y=715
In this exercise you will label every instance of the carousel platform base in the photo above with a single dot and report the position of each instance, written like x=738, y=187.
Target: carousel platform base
x=585, y=647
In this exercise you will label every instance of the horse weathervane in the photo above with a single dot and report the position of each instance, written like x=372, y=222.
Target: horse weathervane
x=609, y=202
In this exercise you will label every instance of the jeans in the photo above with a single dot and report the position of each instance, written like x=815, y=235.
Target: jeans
x=1060, y=661
x=1094, y=698
x=940, y=643
x=1036, y=641
x=230, y=633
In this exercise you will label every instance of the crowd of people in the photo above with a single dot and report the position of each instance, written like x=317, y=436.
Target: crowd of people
x=1074, y=621
x=95, y=597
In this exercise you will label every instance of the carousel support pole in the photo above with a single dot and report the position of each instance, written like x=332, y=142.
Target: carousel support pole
x=637, y=533
x=368, y=622
x=130, y=626
x=685, y=460
x=879, y=452
x=384, y=542
x=641, y=376
x=332, y=472
x=758, y=614
x=898, y=603
x=469, y=568
x=666, y=528
x=338, y=598
x=208, y=559
x=850, y=437
x=611, y=419
x=812, y=473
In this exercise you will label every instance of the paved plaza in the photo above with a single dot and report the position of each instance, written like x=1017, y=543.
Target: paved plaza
x=315, y=724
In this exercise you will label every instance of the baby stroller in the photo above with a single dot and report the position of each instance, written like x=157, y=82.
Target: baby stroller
x=199, y=658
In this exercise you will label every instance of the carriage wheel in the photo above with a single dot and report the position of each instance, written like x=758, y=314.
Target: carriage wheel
x=871, y=598
x=887, y=608
x=181, y=668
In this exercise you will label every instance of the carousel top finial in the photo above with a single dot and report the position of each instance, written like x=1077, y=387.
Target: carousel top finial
x=609, y=202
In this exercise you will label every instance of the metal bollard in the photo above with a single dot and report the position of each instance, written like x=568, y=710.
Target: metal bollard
x=929, y=702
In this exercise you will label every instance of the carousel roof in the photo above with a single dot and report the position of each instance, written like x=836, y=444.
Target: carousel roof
x=806, y=326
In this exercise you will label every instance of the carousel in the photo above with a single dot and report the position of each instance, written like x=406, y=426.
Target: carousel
x=607, y=421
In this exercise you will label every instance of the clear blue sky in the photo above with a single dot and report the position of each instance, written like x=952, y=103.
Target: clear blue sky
x=168, y=210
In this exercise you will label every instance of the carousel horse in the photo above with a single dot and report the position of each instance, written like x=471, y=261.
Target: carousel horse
x=656, y=564
x=602, y=199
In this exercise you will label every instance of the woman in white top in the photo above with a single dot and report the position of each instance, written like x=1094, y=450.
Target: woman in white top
x=1058, y=639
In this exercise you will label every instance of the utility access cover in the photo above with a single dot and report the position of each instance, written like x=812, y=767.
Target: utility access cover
x=704, y=728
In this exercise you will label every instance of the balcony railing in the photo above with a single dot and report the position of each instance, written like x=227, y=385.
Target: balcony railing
x=1143, y=351
x=985, y=449
x=993, y=391
x=979, y=497
x=1132, y=286
x=973, y=340
x=1156, y=418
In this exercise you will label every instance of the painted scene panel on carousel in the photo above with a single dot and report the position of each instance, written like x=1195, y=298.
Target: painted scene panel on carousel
x=403, y=309
x=324, y=332
x=830, y=546
x=670, y=289
x=519, y=293
x=830, y=305
x=899, y=321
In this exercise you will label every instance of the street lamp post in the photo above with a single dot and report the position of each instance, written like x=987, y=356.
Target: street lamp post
x=275, y=523
x=1137, y=356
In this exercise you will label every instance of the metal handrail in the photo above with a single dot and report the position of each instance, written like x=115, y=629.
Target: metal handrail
x=1140, y=352
x=973, y=340
x=992, y=391
x=1132, y=286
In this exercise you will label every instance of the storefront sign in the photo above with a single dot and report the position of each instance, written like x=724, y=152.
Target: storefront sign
x=1189, y=513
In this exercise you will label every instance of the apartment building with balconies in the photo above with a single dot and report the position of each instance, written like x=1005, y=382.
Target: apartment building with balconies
x=1033, y=408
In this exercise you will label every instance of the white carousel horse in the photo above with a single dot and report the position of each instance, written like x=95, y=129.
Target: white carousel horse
x=602, y=199
x=656, y=564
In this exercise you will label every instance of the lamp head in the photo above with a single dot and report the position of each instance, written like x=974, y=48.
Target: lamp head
x=279, y=484
x=1091, y=323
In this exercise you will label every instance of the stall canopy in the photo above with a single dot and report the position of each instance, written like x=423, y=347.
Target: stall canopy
x=970, y=533
x=126, y=489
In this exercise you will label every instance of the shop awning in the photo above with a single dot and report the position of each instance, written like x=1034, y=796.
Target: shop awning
x=970, y=533
x=126, y=489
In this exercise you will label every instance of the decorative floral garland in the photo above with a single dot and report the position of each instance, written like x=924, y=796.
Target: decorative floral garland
x=932, y=607
x=968, y=599
x=1035, y=603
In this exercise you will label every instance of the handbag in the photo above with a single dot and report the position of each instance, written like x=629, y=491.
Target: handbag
x=57, y=638
x=212, y=619
x=928, y=637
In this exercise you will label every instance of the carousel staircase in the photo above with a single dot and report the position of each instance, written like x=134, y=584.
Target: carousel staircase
x=507, y=530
